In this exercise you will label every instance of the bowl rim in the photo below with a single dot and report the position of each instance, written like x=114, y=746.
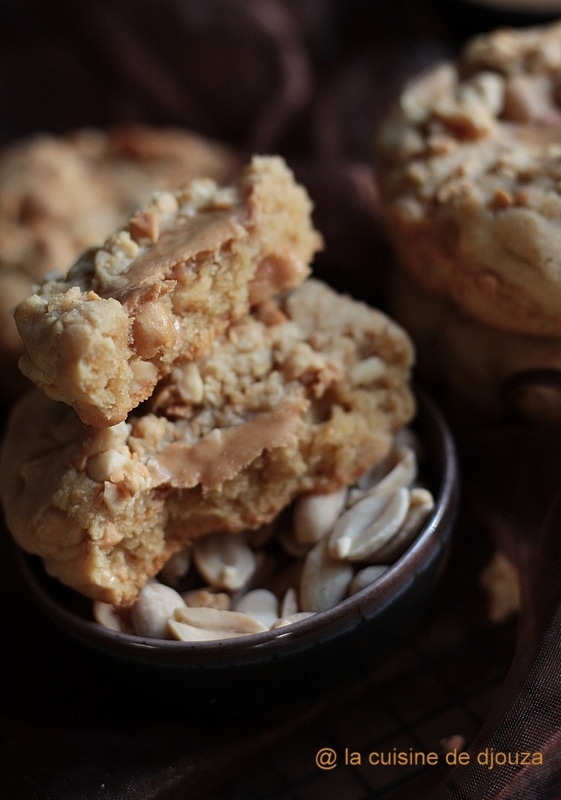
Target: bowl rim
x=350, y=612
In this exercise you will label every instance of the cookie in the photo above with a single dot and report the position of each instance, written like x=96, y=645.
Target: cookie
x=163, y=287
x=469, y=165
x=60, y=195
x=302, y=395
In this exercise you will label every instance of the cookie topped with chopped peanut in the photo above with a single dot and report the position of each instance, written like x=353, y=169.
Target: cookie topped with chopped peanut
x=163, y=287
x=302, y=395
x=469, y=165
x=60, y=194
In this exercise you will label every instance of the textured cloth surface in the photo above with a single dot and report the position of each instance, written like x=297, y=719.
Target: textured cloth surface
x=512, y=484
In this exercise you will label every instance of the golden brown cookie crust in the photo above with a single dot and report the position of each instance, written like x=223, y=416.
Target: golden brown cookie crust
x=469, y=165
x=162, y=288
x=304, y=394
x=60, y=195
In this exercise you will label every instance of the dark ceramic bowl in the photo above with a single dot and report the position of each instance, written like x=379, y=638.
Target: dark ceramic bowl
x=295, y=664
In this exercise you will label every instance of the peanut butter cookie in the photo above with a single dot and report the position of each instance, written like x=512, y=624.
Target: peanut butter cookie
x=301, y=395
x=469, y=166
x=60, y=195
x=163, y=287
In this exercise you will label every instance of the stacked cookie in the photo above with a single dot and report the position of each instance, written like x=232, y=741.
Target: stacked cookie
x=60, y=195
x=193, y=378
x=469, y=167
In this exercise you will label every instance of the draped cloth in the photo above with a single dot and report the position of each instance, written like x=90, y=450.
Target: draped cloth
x=512, y=486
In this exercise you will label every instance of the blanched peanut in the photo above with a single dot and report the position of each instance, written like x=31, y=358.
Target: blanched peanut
x=315, y=515
x=206, y=598
x=366, y=577
x=421, y=503
x=401, y=471
x=289, y=604
x=324, y=579
x=105, y=614
x=177, y=567
x=154, y=606
x=369, y=525
x=261, y=604
x=190, y=633
x=224, y=560
x=215, y=619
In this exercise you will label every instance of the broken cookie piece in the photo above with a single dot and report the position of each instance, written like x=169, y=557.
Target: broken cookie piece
x=61, y=194
x=302, y=395
x=161, y=290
